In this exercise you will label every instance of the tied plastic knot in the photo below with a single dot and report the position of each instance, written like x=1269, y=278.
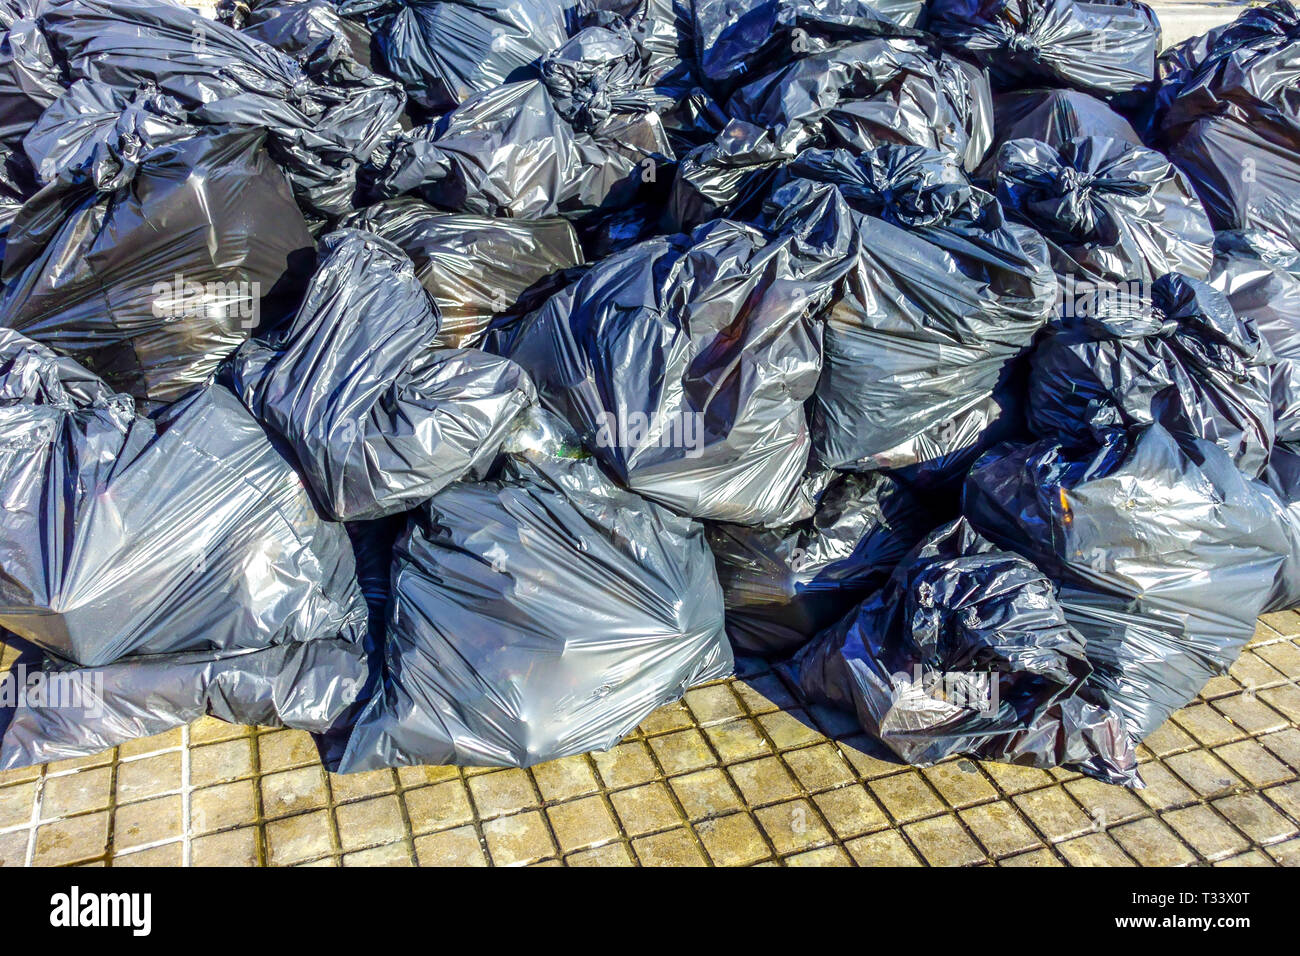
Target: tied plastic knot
x=1023, y=46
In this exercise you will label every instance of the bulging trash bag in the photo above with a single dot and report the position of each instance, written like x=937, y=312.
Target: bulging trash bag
x=477, y=270
x=318, y=131
x=29, y=78
x=445, y=51
x=541, y=614
x=1173, y=353
x=966, y=651
x=1110, y=211
x=186, y=540
x=148, y=257
x=784, y=585
x=1227, y=116
x=311, y=31
x=684, y=363
x=1105, y=47
x=600, y=72
x=942, y=293
x=379, y=419
x=737, y=39
x=1165, y=555
x=1054, y=117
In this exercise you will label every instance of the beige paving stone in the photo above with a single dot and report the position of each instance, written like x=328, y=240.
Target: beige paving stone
x=825, y=856
x=209, y=730
x=1220, y=686
x=790, y=728
x=1094, y=849
x=1013, y=778
x=1252, y=815
x=150, y=821
x=869, y=765
x=502, y=792
x=1001, y=830
x=705, y=793
x=732, y=840
x=169, y=854
x=943, y=842
x=906, y=796
x=565, y=779
x=389, y=855
x=1284, y=699
x=1203, y=772
x=1287, y=798
x=612, y=854
x=1254, y=764
x=1285, y=745
x=1151, y=843
x=298, y=838
x=439, y=807
x=518, y=839
x=77, y=792
x=370, y=822
x=1286, y=854
x=713, y=704
x=1106, y=804
x=960, y=783
x=682, y=751
x=582, y=823
x=347, y=787
x=228, y=848
x=1254, y=673
x=851, y=811
x=763, y=781
x=626, y=765
x=886, y=848
x=13, y=847
x=1054, y=814
x=16, y=803
x=1037, y=858
x=293, y=791
x=1163, y=789
x=146, y=745
x=72, y=840
x=220, y=763
x=672, y=848
x=1251, y=714
x=458, y=847
x=669, y=717
x=1168, y=739
x=101, y=759
x=420, y=776
x=1284, y=622
x=820, y=767
x=1207, y=726
x=737, y=740
x=20, y=775
x=225, y=805
x=285, y=749
x=1206, y=832
x=792, y=827
x=1283, y=655
x=645, y=809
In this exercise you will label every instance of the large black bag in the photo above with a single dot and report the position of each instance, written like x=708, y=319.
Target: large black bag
x=966, y=651
x=29, y=77
x=541, y=614
x=1053, y=117
x=380, y=419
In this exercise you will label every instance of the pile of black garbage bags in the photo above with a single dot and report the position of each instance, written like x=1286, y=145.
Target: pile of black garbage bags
x=461, y=381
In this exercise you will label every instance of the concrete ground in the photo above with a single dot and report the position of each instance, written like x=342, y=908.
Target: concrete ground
x=1180, y=19
x=738, y=774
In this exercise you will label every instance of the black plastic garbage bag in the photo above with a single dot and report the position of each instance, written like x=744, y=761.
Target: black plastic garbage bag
x=738, y=39
x=311, y=31
x=29, y=77
x=1104, y=47
x=1054, y=117
x=476, y=269
x=784, y=585
x=684, y=363
x=150, y=263
x=445, y=51
x=966, y=651
x=379, y=419
x=1176, y=354
x=943, y=292
x=318, y=131
x=600, y=72
x=1165, y=555
x=1110, y=211
x=1228, y=117
x=541, y=614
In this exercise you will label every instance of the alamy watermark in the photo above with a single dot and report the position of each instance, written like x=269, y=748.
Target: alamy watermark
x=182, y=298
x=82, y=691
x=626, y=429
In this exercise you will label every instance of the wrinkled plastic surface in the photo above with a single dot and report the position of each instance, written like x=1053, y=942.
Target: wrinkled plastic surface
x=1165, y=555
x=541, y=614
x=784, y=585
x=966, y=651
x=149, y=252
x=477, y=270
x=1110, y=211
x=380, y=420
x=1055, y=117
x=29, y=77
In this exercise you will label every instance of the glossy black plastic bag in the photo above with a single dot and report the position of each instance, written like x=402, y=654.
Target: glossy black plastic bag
x=541, y=614
x=966, y=651
x=29, y=78
x=942, y=293
x=784, y=585
x=1173, y=352
x=379, y=419
x=477, y=270
x=149, y=254
x=1054, y=117
x=1165, y=555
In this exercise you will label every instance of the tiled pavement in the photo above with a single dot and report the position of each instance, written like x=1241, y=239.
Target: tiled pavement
x=738, y=774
